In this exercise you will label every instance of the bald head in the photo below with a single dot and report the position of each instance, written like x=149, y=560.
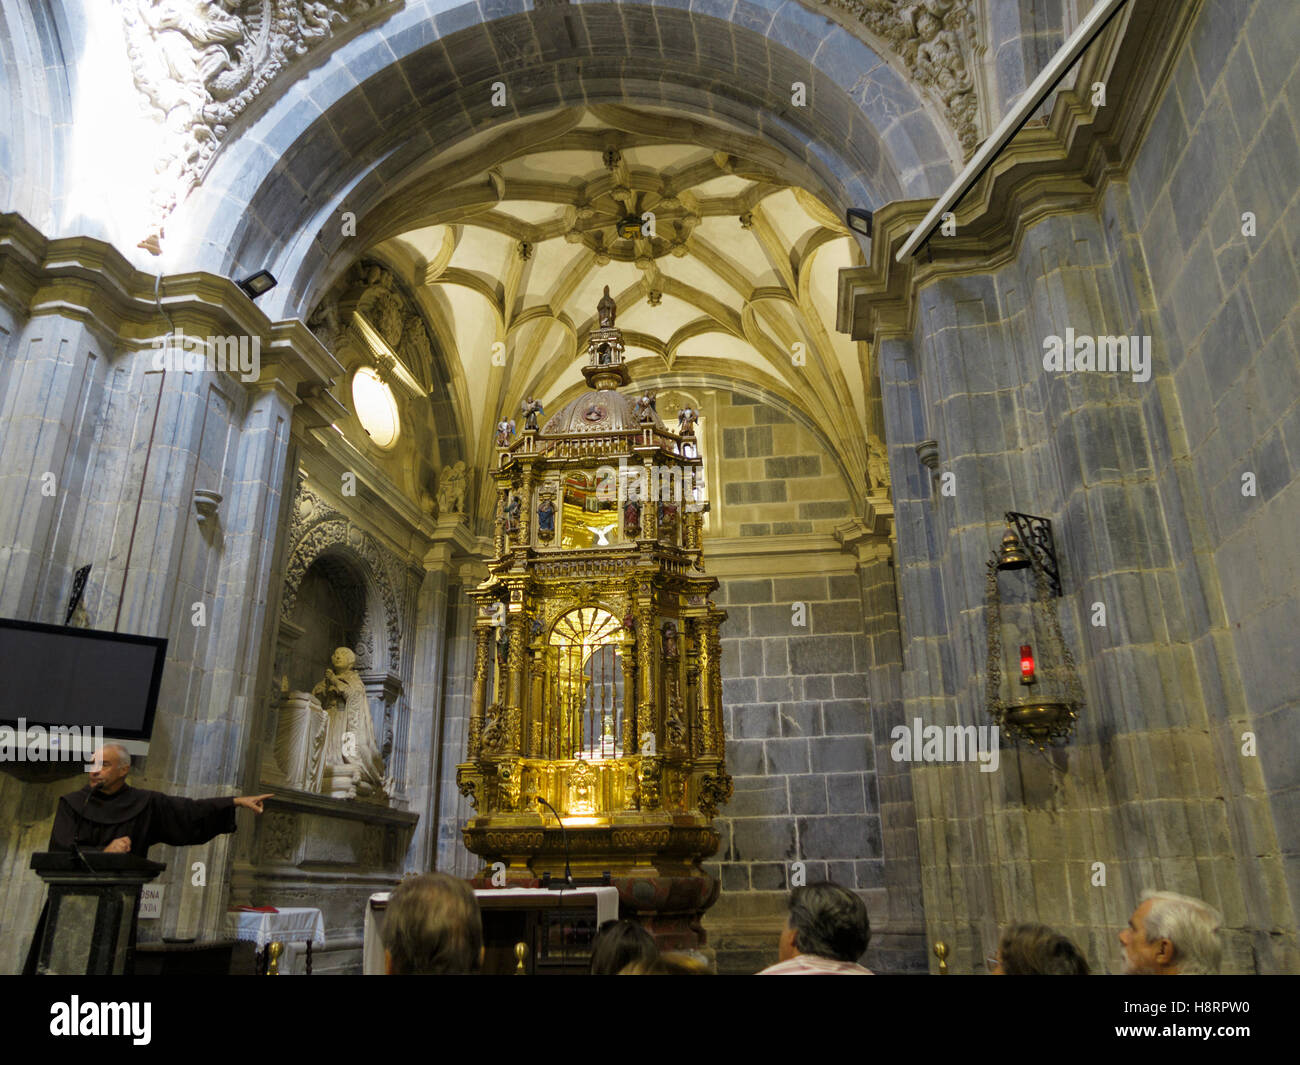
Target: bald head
x=119, y=753
x=108, y=768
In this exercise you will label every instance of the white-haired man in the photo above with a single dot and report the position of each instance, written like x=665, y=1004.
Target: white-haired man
x=1172, y=935
x=110, y=816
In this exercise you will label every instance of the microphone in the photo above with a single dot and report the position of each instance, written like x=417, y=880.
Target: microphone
x=568, y=874
x=76, y=829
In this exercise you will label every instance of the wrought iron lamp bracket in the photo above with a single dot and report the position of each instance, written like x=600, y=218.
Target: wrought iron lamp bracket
x=1036, y=534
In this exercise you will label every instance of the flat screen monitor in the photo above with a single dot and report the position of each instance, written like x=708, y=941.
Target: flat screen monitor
x=55, y=675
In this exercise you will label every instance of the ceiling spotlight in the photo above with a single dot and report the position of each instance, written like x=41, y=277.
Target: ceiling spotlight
x=859, y=221
x=258, y=284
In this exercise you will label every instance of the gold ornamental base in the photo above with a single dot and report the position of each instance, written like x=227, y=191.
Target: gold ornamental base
x=622, y=844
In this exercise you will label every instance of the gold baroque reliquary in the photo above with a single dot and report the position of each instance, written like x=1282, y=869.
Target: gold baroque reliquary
x=597, y=673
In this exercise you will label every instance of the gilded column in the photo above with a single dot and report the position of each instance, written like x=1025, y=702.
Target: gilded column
x=711, y=682
x=698, y=720
x=499, y=536
x=482, y=647
x=533, y=741
x=649, y=504
x=645, y=641
x=517, y=655
x=526, y=511
x=631, y=734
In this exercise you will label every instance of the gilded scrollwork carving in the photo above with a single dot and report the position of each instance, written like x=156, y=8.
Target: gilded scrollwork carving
x=468, y=783
x=715, y=789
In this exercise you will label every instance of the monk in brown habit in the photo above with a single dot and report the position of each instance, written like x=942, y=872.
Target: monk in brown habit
x=110, y=816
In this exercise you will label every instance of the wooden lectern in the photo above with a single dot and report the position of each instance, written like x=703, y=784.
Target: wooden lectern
x=90, y=923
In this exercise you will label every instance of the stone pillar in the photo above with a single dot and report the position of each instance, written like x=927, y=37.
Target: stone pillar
x=253, y=527
x=428, y=733
x=898, y=943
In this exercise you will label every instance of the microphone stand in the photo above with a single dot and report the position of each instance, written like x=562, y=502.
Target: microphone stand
x=76, y=829
x=568, y=874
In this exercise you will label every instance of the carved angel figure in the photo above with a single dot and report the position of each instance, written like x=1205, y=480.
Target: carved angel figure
x=505, y=430
x=644, y=407
x=531, y=409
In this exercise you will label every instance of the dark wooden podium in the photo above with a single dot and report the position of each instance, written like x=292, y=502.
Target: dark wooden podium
x=90, y=921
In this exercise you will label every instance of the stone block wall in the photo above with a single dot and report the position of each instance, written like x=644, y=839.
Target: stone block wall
x=774, y=476
x=1216, y=204
x=797, y=651
x=1142, y=480
x=799, y=735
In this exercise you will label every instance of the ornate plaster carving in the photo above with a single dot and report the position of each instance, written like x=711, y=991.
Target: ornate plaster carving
x=201, y=63
x=936, y=41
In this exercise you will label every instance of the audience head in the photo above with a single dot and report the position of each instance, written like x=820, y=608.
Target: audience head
x=1036, y=950
x=618, y=944
x=432, y=926
x=827, y=920
x=1172, y=935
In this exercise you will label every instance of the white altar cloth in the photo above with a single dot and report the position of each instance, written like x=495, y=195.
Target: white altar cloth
x=293, y=925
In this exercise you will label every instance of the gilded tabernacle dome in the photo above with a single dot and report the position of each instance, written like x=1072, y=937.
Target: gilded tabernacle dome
x=596, y=738
x=602, y=409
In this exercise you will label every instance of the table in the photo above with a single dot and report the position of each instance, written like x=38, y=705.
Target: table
x=264, y=929
x=604, y=901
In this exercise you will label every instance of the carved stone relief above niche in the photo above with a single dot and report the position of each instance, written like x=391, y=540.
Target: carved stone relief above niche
x=372, y=290
x=936, y=41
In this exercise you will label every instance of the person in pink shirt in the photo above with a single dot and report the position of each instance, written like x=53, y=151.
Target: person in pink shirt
x=825, y=934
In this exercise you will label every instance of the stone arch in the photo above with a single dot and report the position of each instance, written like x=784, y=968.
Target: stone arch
x=881, y=145
x=338, y=541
